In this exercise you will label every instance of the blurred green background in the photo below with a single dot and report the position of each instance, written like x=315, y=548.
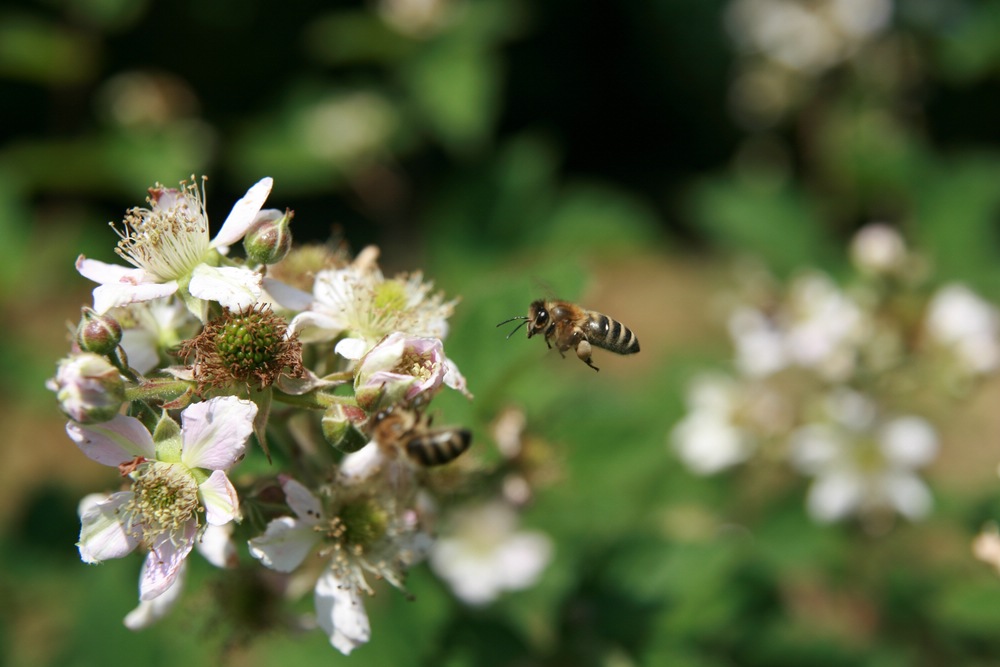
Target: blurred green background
x=619, y=154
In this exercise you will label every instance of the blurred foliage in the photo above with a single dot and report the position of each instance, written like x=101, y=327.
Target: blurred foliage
x=512, y=150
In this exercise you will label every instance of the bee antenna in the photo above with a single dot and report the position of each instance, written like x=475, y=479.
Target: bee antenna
x=519, y=317
x=514, y=331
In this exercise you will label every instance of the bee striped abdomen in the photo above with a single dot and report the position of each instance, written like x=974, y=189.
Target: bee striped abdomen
x=438, y=447
x=611, y=335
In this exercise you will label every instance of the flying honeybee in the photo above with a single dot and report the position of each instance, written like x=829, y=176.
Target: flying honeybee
x=570, y=326
x=408, y=428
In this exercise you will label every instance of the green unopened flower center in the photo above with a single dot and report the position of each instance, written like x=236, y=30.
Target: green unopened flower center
x=360, y=524
x=247, y=342
x=390, y=296
x=165, y=499
x=869, y=456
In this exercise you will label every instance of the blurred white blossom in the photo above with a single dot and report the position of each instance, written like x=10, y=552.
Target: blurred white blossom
x=967, y=326
x=878, y=249
x=708, y=438
x=806, y=36
x=485, y=554
x=862, y=462
x=818, y=327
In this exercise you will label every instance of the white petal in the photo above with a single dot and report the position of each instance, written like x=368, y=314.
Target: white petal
x=454, y=379
x=351, y=348
x=286, y=296
x=234, y=287
x=150, y=611
x=101, y=533
x=217, y=494
x=164, y=562
x=313, y=327
x=708, y=444
x=908, y=441
x=215, y=432
x=141, y=347
x=102, y=272
x=522, y=558
x=362, y=464
x=834, y=496
x=216, y=545
x=341, y=614
x=111, y=443
x=285, y=543
x=243, y=213
x=302, y=501
x=908, y=494
x=472, y=574
x=113, y=295
x=815, y=447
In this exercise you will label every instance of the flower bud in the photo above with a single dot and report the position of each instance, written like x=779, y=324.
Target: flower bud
x=878, y=249
x=99, y=334
x=89, y=388
x=340, y=430
x=269, y=238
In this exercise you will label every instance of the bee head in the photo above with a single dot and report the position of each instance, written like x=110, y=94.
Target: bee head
x=538, y=318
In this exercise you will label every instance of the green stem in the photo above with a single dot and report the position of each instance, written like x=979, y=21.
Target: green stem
x=314, y=400
x=119, y=360
x=157, y=390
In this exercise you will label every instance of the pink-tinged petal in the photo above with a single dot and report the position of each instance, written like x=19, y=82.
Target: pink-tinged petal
x=243, y=214
x=341, y=614
x=102, y=272
x=150, y=611
x=286, y=296
x=113, y=295
x=218, y=495
x=102, y=535
x=233, y=287
x=164, y=562
x=216, y=545
x=285, y=543
x=215, y=432
x=112, y=443
x=302, y=501
x=454, y=379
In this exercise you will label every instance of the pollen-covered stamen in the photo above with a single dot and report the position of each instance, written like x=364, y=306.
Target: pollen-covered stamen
x=250, y=347
x=358, y=538
x=359, y=525
x=170, y=238
x=415, y=365
x=164, y=501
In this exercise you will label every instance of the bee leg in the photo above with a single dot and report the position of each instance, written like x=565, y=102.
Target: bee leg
x=583, y=351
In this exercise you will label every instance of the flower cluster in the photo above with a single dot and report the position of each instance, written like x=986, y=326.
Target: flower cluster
x=835, y=381
x=788, y=44
x=191, y=356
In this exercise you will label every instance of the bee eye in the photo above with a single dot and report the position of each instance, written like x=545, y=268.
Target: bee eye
x=542, y=317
